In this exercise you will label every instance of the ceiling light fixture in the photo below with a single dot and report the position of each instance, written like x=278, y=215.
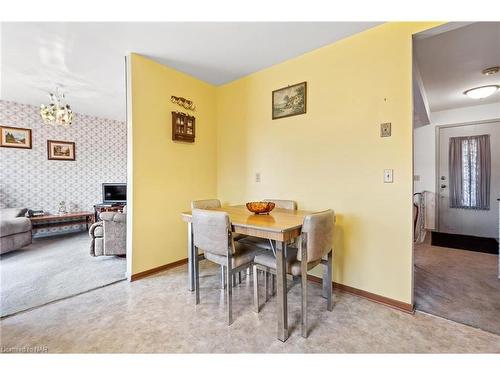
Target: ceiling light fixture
x=57, y=112
x=481, y=92
x=491, y=71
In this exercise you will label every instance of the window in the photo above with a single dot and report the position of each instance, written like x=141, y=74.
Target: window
x=470, y=172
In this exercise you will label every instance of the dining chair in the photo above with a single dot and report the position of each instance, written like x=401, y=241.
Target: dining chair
x=263, y=242
x=212, y=234
x=270, y=245
x=315, y=247
x=207, y=204
x=283, y=203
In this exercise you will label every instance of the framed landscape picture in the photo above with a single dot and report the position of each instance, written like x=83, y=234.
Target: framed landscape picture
x=15, y=137
x=61, y=150
x=290, y=101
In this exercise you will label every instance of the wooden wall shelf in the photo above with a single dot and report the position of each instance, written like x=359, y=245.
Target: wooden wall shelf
x=183, y=127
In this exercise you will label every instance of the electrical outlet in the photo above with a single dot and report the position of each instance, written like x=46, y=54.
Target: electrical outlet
x=257, y=177
x=388, y=176
x=385, y=129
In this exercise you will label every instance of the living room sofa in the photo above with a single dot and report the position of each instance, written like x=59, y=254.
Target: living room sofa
x=15, y=229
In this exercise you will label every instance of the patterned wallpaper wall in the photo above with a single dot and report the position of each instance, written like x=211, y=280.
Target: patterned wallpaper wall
x=29, y=179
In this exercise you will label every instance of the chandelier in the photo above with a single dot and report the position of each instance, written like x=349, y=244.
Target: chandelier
x=57, y=112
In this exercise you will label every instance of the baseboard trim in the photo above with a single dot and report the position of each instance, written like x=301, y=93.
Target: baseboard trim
x=152, y=271
x=395, y=304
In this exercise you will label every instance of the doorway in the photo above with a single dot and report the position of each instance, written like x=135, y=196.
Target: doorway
x=470, y=225
x=457, y=174
x=61, y=244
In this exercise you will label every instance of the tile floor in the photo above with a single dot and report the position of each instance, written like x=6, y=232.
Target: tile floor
x=157, y=315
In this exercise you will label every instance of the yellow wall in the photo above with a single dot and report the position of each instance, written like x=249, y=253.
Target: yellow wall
x=167, y=175
x=333, y=156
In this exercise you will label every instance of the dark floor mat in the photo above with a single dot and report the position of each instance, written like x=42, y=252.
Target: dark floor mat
x=464, y=242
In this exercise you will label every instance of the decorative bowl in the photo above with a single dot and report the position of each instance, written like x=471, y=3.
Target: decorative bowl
x=260, y=208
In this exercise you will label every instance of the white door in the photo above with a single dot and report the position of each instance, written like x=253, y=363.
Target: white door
x=481, y=223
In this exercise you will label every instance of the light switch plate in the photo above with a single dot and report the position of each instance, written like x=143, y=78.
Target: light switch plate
x=385, y=129
x=388, y=176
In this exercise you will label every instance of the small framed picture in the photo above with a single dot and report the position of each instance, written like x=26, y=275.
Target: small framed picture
x=15, y=137
x=290, y=101
x=60, y=150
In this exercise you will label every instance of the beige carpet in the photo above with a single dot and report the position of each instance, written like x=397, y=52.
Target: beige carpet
x=459, y=285
x=53, y=268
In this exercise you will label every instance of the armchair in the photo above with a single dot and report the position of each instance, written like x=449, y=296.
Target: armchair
x=109, y=236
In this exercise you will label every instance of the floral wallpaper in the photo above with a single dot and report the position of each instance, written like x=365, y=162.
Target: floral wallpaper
x=29, y=179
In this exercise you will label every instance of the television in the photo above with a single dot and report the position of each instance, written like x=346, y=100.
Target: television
x=114, y=193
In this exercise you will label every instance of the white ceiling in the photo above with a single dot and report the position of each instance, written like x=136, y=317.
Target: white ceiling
x=87, y=59
x=451, y=62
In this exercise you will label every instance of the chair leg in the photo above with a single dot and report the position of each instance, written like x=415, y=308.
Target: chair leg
x=222, y=278
x=196, y=275
x=239, y=277
x=324, y=283
x=304, y=306
x=273, y=285
x=229, y=288
x=256, y=289
x=329, y=298
x=266, y=284
x=234, y=279
x=303, y=279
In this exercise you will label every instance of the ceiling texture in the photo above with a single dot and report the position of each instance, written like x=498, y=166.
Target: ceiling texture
x=87, y=60
x=451, y=62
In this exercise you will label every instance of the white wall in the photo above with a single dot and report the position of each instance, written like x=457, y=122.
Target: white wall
x=425, y=140
x=424, y=162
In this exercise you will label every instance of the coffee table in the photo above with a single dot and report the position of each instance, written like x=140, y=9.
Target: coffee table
x=47, y=221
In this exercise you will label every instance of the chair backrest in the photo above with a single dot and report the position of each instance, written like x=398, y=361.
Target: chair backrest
x=319, y=229
x=206, y=204
x=283, y=203
x=211, y=231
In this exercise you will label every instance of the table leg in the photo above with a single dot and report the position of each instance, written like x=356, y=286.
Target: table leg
x=281, y=291
x=190, y=250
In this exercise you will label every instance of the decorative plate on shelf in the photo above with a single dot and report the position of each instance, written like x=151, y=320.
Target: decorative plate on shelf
x=260, y=208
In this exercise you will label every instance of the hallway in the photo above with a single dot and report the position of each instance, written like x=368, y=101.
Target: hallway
x=459, y=285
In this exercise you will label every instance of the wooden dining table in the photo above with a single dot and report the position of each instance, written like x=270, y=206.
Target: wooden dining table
x=280, y=225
